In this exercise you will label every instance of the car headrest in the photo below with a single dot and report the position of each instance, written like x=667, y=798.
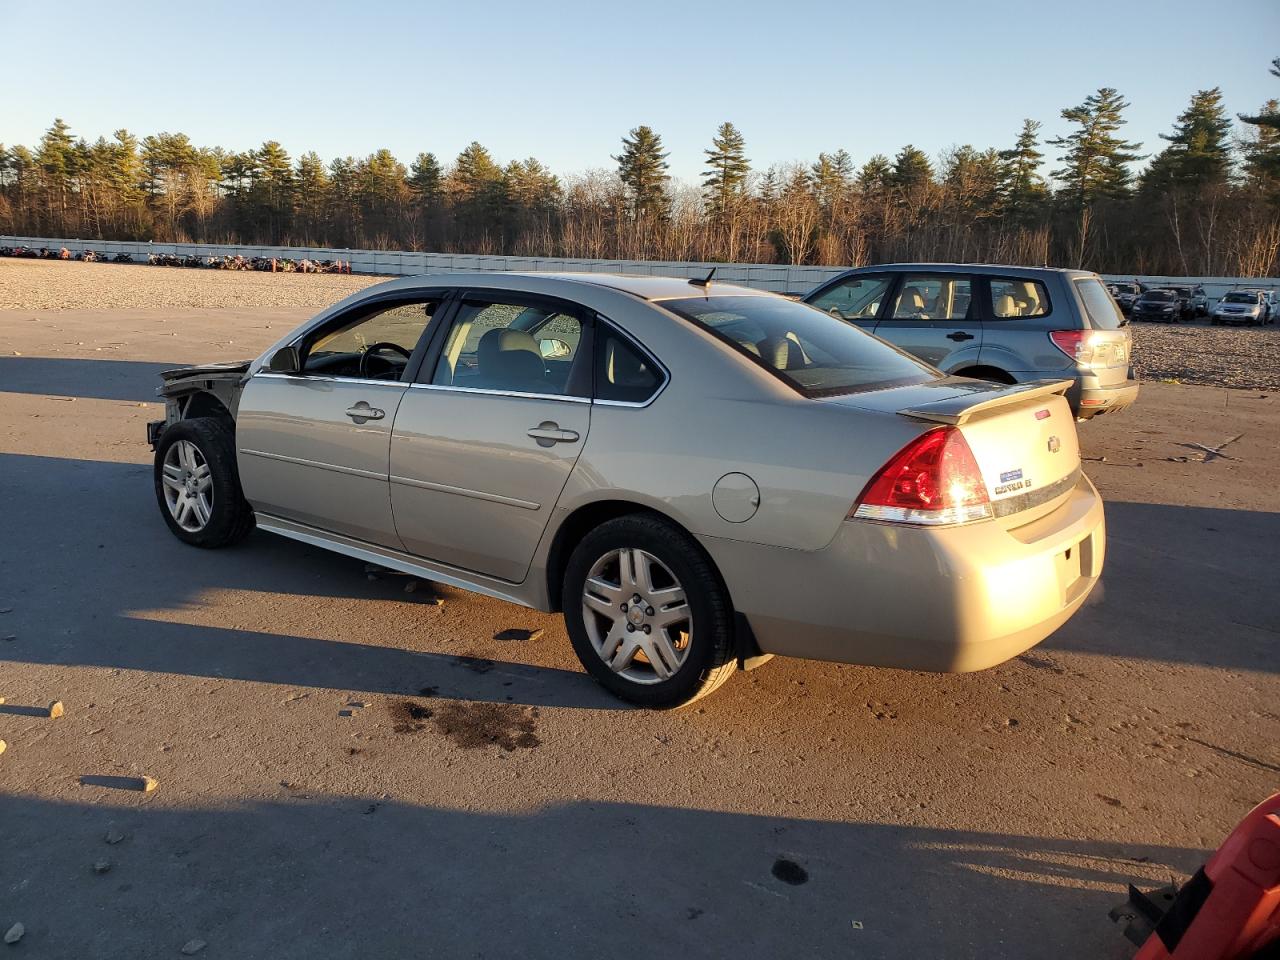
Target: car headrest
x=623, y=367
x=507, y=355
x=912, y=298
x=1006, y=307
x=782, y=353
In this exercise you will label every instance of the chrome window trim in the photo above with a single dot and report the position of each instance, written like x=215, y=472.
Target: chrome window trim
x=450, y=388
x=466, y=492
x=300, y=461
x=312, y=378
x=666, y=374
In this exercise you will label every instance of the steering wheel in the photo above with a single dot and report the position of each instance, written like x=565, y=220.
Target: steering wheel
x=373, y=348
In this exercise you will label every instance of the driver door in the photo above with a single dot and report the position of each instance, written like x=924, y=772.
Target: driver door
x=313, y=445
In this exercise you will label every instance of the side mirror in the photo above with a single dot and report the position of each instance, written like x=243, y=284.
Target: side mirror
x=552, y=348
x=285, y=360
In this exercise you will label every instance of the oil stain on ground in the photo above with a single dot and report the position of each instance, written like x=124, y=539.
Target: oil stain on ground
x=472, y=726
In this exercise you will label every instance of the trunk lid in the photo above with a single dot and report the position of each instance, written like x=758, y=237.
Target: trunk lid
x=1023, y=436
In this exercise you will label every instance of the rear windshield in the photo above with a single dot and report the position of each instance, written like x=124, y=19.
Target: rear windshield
x=1102, y=310
x=814, y=352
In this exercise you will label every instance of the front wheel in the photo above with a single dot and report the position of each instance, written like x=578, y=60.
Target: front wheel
x=198, y=486
x=647, y=613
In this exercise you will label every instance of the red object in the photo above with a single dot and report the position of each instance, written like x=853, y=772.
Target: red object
x=935, y=471
x=1241, y=913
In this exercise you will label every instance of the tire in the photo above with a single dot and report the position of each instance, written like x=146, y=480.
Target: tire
x=685, y=673
x=209, y=510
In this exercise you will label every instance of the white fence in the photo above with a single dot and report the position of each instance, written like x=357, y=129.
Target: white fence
x=779, y=278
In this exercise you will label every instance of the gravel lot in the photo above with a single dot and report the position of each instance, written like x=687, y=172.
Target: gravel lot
x=349, y=770
x=1240, y=357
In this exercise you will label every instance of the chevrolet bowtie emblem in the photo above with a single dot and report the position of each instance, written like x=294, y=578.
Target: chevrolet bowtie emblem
x=1054, y=444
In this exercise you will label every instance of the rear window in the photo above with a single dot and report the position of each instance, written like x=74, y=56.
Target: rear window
x=1102, y=310
x=812, y=351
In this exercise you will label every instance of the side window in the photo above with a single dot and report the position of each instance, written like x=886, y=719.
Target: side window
x=509, y=346
x=624, y=374
x=1012, y=299
x=937, y=297
x=855, y=298
x=374, y=345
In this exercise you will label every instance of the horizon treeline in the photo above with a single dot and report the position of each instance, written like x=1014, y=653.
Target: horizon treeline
x=1207, y=203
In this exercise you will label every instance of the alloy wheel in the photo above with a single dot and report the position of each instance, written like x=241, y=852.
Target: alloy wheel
x=188, y=486
x=637, y=615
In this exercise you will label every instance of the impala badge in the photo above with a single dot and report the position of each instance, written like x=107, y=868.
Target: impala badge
x=1054, y=444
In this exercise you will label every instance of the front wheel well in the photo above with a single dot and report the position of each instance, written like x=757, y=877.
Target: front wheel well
x=985, y=372
x=205, y=404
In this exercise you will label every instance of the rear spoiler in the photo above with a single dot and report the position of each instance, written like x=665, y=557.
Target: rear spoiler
x=959, y=409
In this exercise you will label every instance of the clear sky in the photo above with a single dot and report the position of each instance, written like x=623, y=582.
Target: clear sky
x=563, y=81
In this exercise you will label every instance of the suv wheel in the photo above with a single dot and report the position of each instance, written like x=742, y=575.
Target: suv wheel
x=198, y=486
x=647, y=613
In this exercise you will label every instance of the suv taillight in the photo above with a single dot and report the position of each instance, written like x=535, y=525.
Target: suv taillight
x=933, y=480
x=1089, y=349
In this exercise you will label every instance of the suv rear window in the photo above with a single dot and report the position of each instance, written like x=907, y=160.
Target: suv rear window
x=1102, y=310
x=811, y=351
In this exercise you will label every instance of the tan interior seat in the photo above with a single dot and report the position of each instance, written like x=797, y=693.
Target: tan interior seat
x=1006, y=306
x=509, y=360
x=910, y=303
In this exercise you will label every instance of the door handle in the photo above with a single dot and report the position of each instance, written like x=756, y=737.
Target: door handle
x=959, y=335
x=362, y=412
x=548, y=433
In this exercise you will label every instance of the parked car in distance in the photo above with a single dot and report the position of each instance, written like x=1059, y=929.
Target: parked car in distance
x=1241, y=307
x=998, y=323
x=697, y=474
x=1158, y=304
x=1124, y=294
x=1270, y=302
x=1187, y=300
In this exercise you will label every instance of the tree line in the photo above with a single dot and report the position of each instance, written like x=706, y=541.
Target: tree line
x=1206, y=203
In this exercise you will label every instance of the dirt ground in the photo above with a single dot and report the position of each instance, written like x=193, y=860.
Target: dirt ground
x=345, y=769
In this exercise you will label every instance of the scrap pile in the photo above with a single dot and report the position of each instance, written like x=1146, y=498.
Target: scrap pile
x=237, y=262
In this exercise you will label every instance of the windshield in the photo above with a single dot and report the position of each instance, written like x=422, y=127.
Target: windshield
x=1240, y=298
x=1157, y=295
x=812, y=351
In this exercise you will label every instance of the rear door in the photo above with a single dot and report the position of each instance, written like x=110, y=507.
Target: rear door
x=934, y=316
x=1110, y=346
x=485, y=440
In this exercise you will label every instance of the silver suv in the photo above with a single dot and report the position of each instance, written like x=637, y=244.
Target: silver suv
x=1006, y=324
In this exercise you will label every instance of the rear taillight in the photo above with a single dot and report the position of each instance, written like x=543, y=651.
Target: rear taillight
x=933, y=480
x=1089, y=349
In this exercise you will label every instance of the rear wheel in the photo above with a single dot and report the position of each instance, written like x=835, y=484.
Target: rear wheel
x=647, y=613
x=198, y=486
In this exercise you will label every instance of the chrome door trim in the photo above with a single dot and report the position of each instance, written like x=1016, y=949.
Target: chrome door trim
x=393, y=559
x=311, y=378
x=449, y=388
x=336, y=468
x=464, y=492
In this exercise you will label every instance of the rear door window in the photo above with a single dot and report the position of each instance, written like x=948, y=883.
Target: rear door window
x=1013, y=299
x=1099, y=305
x=940, y=297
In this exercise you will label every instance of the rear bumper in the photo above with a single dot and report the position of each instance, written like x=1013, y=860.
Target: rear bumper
x=1093, y=401
x=953, y=600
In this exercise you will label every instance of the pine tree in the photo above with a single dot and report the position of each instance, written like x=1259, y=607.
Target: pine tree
x=1199, y=153
x=425, y=178
x=832, y=177
x=1262, y=153
x=1022, y=188
x=727, y=171
x=311, y=197
x=875, y=174
x=642, y=168
x=911, y=171
x=1096, y=161
x=56, y=161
